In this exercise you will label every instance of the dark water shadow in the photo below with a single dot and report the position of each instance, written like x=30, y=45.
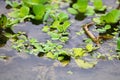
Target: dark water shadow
x=3, y=38
x=80, y=16
x=100, y=12
x=112, y=29
x=36, y=22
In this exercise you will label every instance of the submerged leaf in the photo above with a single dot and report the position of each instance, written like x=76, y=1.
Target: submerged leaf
x=83, y=64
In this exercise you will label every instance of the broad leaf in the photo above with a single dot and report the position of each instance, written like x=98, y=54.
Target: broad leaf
x=72, y=11
x=39, y=11
x=111, y=17
x=98, y=4
x=83, y=64
x=78, y=52
x=62, y=17
x=50, y=55
x=24, y=11
x=65, y=25
x=89, y=47
x=82, y=4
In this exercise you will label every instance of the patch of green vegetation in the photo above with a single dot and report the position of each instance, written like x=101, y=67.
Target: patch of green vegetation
x=98, y=4
x=56, y=24
x=58, y=29
x=5, y=29
x=30, y=9
x=81, y=6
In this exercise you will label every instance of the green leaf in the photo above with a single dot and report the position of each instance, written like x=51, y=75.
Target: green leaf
x=107, y=27
x=13, y=4
x=3, y=21
x=60, y=28
x=72, y=11
x=78, y=52
x=98, y=4
x=15, y=13
x=65, y=25
x=82, y=4
x=24, y=11
x=75, y=6
x=45, y=29
x=89, y=47
x=83, y=64
x=62, y=17
x=54, y=36
x=55, y=24
x=90, y=11
x=111, y=17
x=97, y=20
x=34, y=2
x=118, y=43
x=39, y=11
x=50, y=55
x=46, y=15
x=64, y=39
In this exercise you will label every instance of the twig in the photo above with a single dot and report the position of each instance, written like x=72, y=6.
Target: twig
x=94, y=39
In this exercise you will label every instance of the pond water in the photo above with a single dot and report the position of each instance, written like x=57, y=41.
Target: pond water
x=28, y=67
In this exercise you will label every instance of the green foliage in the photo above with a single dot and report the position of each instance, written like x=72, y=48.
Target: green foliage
x=39, y=11
x=118, y=44
x=30, y=9
x=58, y=29
x=33, y=2
x=72, y=11
x=56, y=25
x=111, y=17
x=81, y=5
x=78, y=52
x=24, y=11
x=98, y=4
x=62, y=17
x=104, y=29
x=89, y=47
x=3, y=21
x=13, y=4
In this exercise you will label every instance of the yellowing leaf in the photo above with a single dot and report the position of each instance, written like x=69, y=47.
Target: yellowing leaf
x=78, y=52
x=89, y=47
x=65, y=62
x=83, y=64
x=50, y=55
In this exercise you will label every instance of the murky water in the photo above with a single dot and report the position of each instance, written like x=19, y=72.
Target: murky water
x=29, y=67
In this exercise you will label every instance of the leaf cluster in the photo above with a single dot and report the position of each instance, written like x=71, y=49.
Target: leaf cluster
x=82, y=6
x=58, y=29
